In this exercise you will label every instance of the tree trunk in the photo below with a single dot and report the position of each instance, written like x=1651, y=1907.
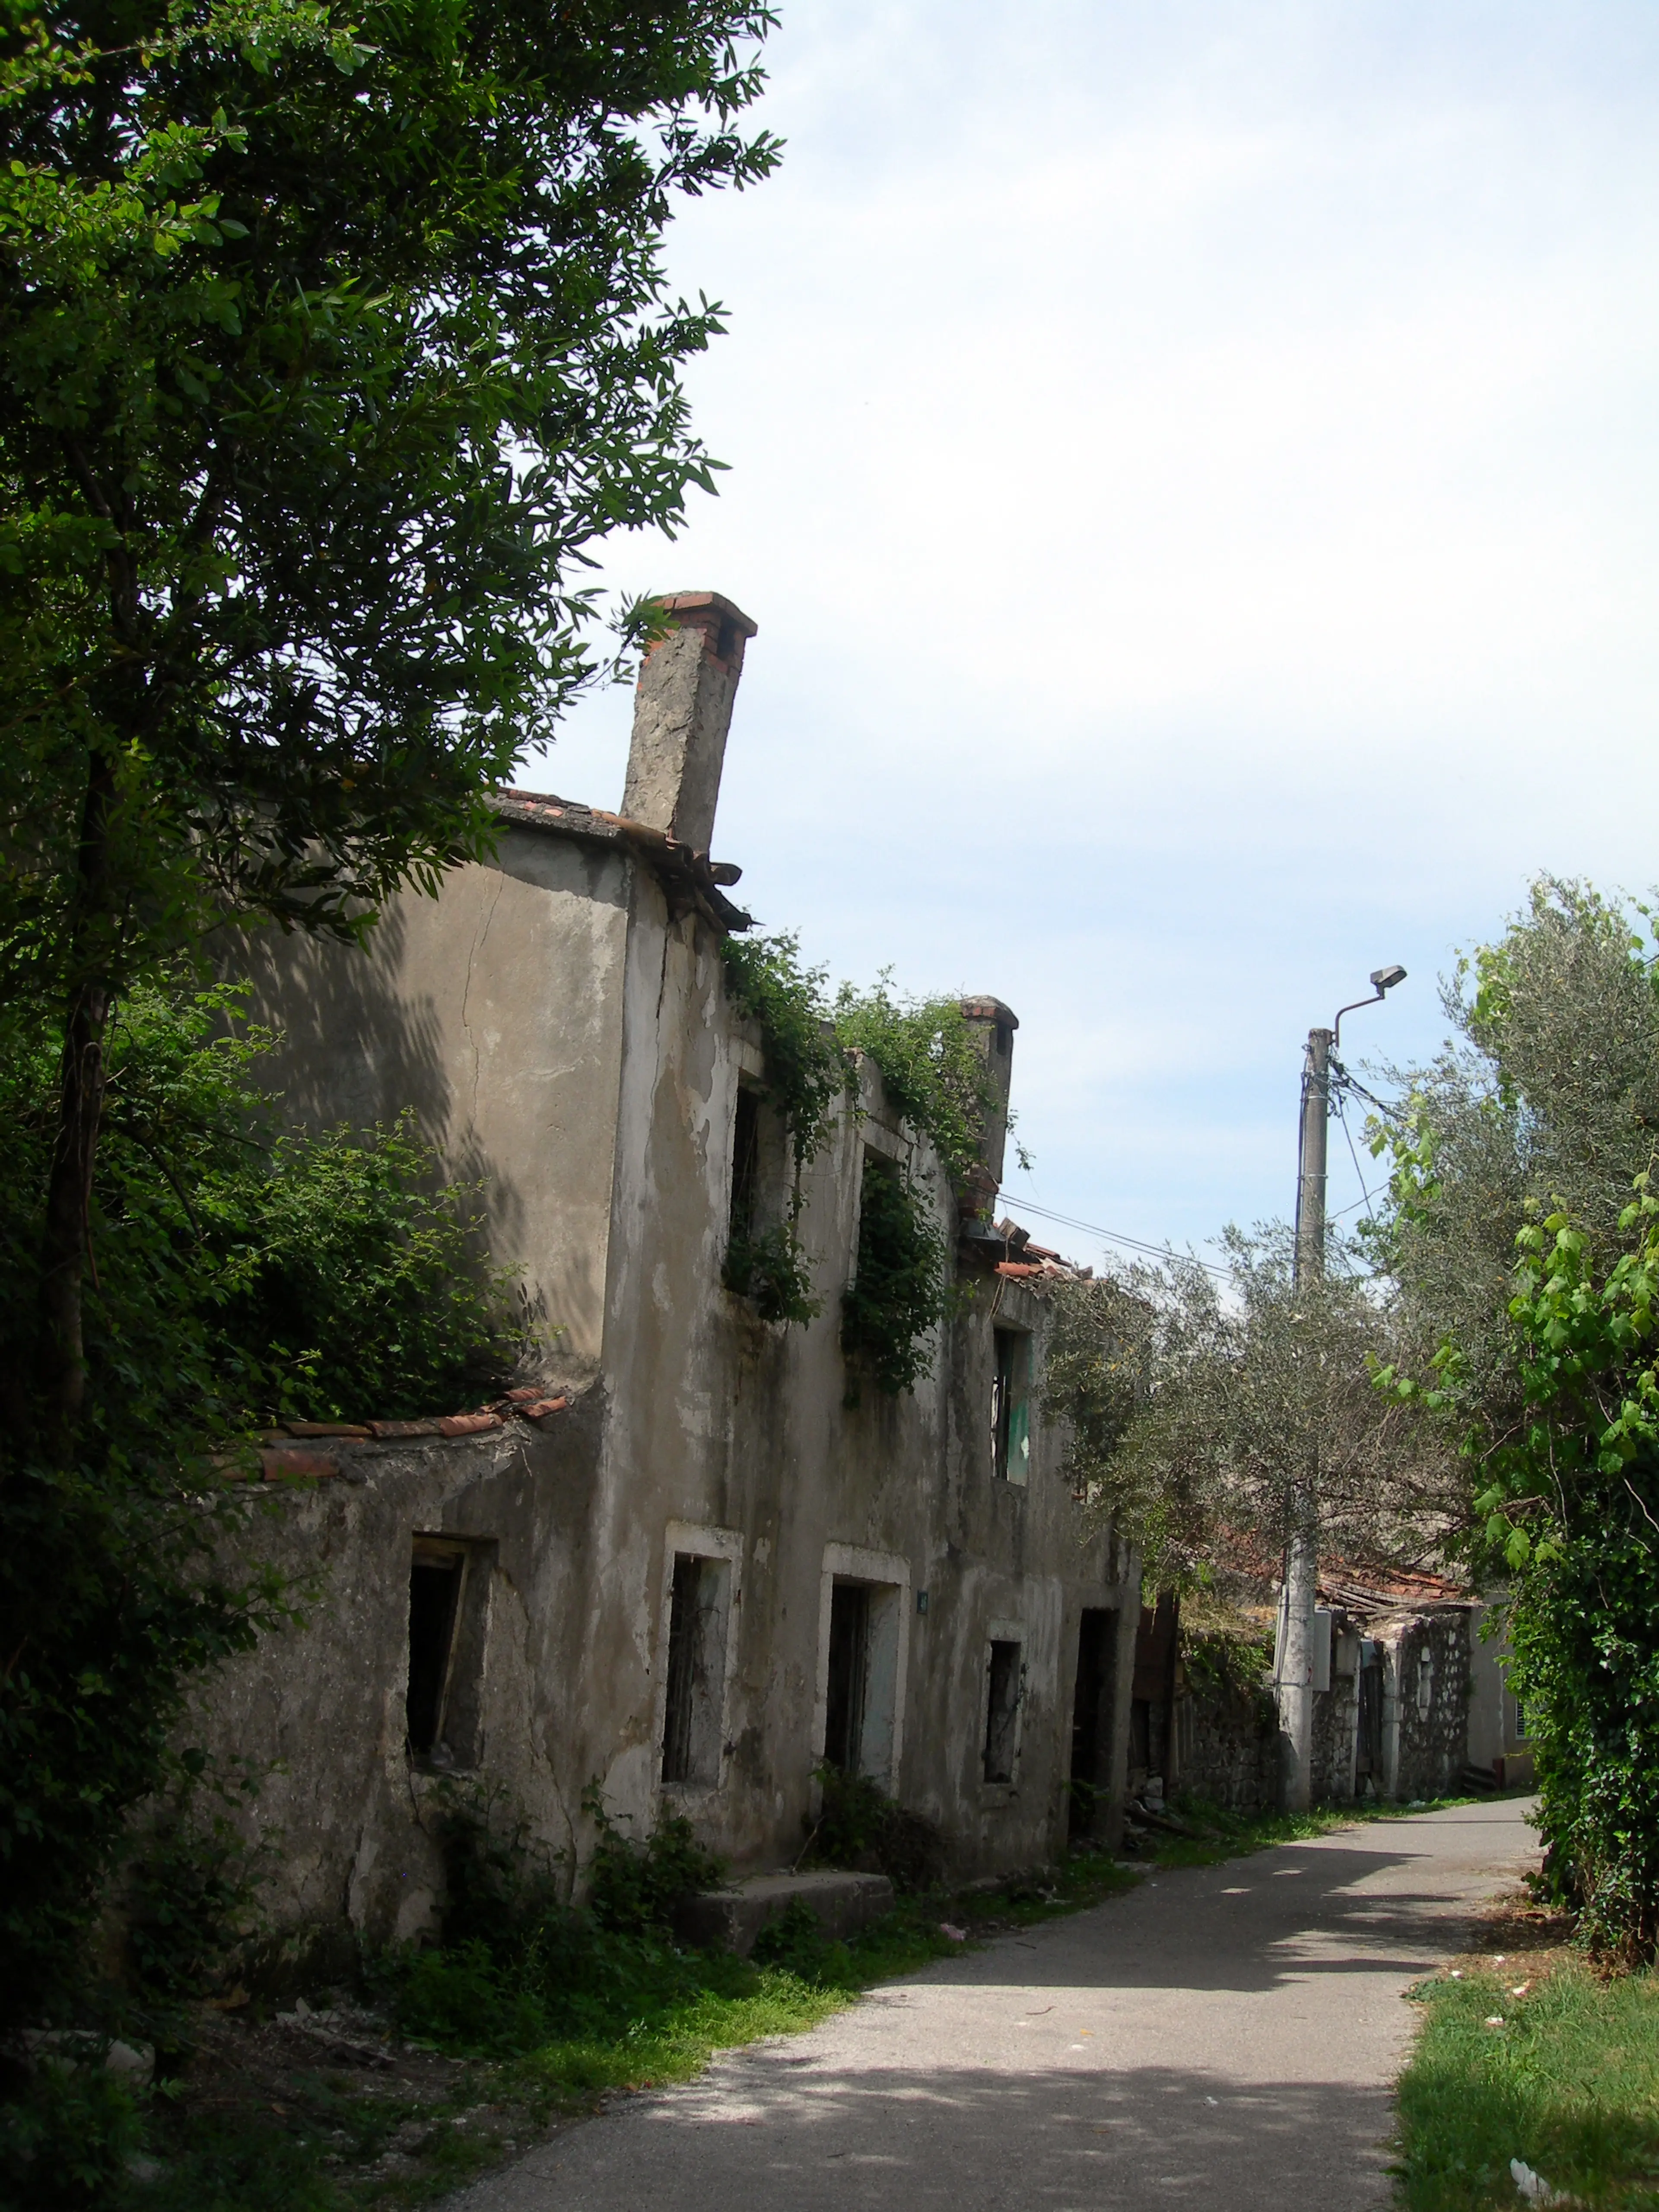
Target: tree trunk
x=68, y=1226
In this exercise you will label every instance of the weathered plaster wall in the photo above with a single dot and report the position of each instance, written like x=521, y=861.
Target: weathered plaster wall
x=494, y=1011
x=718, y=1422
x=320, y=1709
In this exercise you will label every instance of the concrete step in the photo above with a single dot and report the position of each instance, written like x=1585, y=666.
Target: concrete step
x=731, y=1919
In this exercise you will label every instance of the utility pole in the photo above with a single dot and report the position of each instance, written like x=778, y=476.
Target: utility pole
x=1296, y=1651
x=1300, y=1598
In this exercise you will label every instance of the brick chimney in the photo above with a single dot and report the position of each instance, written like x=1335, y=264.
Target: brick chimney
x=682, y=712
x=991, y=1025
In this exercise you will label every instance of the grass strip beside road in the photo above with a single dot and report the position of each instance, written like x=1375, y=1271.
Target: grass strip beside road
x=1525, y=2053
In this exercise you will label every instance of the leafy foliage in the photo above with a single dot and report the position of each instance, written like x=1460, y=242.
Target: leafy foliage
x=771, y=1267
x=897, y=1294
x=1204, y=1423
x=932, y=1066
x=327, y=349
x=805, y=1073
x=636, y=1885
x=66, y=2141
x=1528, y=1279
x=519, y=1967
x=252, y=1275
x=934, y=1075
x=212, y=1313
x=859, y=1825
x=188, y=1897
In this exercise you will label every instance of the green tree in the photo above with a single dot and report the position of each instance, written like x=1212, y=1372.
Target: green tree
x=242, y=1275
x=1204, y=1414
x=1522, y=1236
x=327, y=344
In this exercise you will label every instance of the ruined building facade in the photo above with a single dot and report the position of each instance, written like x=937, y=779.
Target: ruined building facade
x=690, y=1569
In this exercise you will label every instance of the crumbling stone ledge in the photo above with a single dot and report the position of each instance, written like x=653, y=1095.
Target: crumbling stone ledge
x=731, y=1918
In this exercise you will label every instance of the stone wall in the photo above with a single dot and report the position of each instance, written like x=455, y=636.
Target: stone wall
x=1227, y=1745
x=1427, y=1716
x=1335, y=1714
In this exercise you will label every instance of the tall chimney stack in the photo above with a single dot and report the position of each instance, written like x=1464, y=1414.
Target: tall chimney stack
x=682, y=712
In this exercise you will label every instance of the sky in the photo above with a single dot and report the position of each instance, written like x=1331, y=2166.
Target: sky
x=1195, y=470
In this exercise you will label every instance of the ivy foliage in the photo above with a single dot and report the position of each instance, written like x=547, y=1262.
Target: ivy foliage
x=931, y=1065
x=806, y=1071
x=934, y=1075
x=772, y=1268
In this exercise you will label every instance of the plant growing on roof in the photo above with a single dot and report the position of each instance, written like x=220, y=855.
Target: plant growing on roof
x=934, y=1075
x=932, y=1066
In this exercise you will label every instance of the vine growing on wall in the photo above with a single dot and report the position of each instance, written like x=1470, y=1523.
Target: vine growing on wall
x=805, y=1067
x=898, y=1291
x=935, y=1076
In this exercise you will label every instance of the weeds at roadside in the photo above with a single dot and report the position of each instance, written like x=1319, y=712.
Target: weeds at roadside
x=535, y=2014
x=1528, y=2055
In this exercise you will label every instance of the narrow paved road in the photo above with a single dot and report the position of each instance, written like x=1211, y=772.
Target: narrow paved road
x=1224, y=2036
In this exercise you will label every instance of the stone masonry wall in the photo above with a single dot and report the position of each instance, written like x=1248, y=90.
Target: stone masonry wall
x=1430, y=1701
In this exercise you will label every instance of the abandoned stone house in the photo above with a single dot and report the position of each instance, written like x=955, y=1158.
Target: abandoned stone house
x=686, y=1567
x=1410, y=1699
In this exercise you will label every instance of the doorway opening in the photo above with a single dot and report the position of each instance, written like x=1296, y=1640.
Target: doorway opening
x=1093, y=1702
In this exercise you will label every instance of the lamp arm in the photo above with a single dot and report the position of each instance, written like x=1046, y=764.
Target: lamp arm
x=1375, y=999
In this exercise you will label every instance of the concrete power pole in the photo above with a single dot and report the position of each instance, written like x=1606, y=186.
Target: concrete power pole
x=1296, y=1651
x=1299, y=1599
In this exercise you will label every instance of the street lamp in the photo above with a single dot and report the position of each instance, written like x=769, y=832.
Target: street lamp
x=1296, y=1661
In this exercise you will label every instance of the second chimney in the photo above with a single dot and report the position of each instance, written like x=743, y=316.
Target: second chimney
x=682, y=712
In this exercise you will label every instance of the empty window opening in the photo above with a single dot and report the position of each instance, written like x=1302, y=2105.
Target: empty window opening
x=1425, y=1682
x=862, y=1663
x=448, y=1616
x=1002, y=1712
x=849, y=1676
x=746, y=1166
x=693, y=1711
x=1010, y=1441
x=1092, y=1702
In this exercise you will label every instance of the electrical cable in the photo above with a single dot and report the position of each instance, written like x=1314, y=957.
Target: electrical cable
x=1110, y=1235
x=1342, y=1116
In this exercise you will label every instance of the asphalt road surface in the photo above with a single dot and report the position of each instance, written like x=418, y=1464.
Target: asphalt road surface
x=1223, y=2037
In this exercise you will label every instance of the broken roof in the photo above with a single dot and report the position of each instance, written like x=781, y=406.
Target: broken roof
x=691, y=879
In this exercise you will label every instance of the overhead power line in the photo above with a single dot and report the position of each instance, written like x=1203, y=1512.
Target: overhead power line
x=1110, y=1235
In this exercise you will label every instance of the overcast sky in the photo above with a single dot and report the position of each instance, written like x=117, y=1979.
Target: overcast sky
x=1194, y=466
